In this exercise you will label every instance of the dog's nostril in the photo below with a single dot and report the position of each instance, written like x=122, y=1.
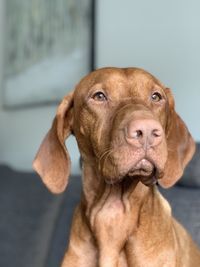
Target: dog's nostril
x=137, y=134
x=156, y=133
x=144, y=133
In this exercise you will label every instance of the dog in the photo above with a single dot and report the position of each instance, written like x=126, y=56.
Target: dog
x=130, y=139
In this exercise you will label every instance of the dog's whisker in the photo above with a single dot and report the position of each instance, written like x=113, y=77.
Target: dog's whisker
x=104, y=156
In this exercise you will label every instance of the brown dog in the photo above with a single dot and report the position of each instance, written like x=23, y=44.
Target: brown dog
x=130, y=137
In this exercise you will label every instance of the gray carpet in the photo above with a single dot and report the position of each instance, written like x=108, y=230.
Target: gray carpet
x=34, y=224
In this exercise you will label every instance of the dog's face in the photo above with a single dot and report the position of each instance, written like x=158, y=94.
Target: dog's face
x=113, y=115
x=126, y=127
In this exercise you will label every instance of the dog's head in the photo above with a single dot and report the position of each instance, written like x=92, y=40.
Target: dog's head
x=126, y=127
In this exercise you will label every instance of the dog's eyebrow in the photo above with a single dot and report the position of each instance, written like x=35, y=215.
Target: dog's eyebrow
x=96, y=87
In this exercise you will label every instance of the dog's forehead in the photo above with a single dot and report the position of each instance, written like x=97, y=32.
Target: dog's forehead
x=132, y=79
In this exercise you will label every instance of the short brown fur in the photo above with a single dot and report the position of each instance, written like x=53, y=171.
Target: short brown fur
x=122, y=219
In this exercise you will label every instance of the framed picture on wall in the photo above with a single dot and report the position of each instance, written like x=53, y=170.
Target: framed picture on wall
x=47, y=49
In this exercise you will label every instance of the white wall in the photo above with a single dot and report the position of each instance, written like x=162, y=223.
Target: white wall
x=160, y=36
x=21, y=133
x=22, y=130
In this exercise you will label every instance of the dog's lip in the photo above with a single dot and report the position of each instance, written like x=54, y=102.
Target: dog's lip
x=143, y=167
x=144, y=170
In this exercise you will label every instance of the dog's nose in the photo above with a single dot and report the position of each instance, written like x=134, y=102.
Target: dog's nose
x=144, y=133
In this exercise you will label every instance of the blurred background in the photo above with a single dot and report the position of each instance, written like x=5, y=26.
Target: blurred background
x=46, y=46
x=45, y=49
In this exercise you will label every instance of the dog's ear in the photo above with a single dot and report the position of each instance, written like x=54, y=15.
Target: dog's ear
x=52, y=161
x=180, y=143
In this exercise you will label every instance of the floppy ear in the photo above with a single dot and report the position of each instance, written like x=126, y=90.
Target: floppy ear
x=52, y=161
x=180, y=143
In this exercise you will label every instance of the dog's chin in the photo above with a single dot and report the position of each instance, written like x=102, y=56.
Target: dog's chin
x=147, y=180
x=144, y=171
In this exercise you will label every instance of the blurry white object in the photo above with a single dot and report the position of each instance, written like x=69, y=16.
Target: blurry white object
x=46, y=81
x=46, y=50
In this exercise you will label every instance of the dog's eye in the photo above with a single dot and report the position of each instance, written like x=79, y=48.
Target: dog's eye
x=99, y=96
x=156, y=97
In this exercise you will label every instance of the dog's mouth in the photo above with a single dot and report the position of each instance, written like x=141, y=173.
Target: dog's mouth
x=143, y=168
x=144, y=171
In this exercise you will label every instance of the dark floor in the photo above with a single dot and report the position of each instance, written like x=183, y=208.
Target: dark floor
x=34, y=224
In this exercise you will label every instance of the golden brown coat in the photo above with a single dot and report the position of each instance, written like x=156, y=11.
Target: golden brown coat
x=130, y=137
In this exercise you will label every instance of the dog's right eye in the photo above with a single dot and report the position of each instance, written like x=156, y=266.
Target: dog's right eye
x=99, y=96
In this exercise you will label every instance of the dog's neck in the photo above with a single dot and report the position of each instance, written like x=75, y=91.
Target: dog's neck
x=127, y=195
x=115, y=212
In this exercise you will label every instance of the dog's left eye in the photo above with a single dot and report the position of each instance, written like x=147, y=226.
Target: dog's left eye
x=156, y=97
x=99, y=96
